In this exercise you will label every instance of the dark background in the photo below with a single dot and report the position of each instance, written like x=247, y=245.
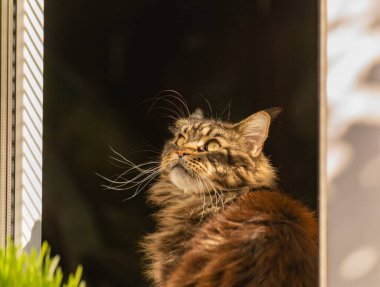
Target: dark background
x=103, y=59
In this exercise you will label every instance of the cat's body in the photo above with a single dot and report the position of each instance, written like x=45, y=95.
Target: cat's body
x=222, y=222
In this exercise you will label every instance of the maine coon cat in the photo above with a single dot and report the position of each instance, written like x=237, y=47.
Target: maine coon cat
x=222, y=220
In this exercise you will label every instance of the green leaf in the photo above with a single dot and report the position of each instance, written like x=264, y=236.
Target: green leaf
x=18, y=268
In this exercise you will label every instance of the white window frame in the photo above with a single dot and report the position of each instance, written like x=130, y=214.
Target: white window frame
x=21, y=121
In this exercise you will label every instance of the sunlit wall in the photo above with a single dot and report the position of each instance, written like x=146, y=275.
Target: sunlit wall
x=354, y=142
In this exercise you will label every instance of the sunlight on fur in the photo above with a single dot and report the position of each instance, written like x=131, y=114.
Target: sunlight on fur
x=221, y=220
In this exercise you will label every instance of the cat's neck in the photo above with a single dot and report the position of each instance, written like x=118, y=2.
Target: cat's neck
x=178, y=207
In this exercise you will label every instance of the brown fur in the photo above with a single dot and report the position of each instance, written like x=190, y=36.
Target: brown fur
x=264, y=239
x=238, y=231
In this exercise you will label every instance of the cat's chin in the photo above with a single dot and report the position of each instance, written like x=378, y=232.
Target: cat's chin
x=182, y=179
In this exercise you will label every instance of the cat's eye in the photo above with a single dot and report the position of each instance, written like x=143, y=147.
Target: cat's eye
x=212, y=145
x=180, y=141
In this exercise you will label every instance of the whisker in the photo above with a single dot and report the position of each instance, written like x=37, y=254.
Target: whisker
x=144, y=173
x=216, y=193
x=152, y=147
x=225, y=109
x=121, y=183
x=126, y=161
x=139, y=189
x=124, y=185
x=209, y=106
x=163, y=116
x=203, y=203
x=176, y=114
x=179, y=98
x=167, y=98
x=177, y=111
x=132, y=164
x=120, y=155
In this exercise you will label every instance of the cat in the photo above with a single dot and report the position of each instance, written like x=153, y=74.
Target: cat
x=222, y=222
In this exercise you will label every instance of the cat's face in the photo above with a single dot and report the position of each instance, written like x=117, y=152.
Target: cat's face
x=206, y=153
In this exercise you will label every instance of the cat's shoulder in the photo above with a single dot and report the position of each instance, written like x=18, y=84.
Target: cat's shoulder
x=264, y=238
x=263, y=213
x=271, y=205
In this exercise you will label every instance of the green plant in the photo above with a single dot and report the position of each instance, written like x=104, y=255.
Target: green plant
x=21, y=269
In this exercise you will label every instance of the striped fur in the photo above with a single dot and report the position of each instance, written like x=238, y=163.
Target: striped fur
x=222, y=221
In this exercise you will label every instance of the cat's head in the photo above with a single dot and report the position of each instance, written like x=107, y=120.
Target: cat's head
x=208, y=153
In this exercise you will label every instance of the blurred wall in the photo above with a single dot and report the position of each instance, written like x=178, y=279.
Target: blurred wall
x=354, y=143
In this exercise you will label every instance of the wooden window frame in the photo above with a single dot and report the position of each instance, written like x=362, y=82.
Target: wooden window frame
x=322, y=207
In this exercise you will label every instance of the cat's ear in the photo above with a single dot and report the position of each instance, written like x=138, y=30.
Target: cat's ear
x=197, y=114
x=254, y=131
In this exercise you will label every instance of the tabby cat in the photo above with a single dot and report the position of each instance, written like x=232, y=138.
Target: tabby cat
x=222, y=222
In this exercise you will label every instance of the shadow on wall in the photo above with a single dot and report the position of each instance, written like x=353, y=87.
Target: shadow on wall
x=353, y=210
x=35, y=239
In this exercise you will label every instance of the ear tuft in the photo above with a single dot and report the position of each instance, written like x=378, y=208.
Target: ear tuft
x=254, y=131
x=197, y=114
x=273, y=112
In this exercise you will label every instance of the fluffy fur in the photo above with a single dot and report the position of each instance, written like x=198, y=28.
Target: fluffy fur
x=222, y=221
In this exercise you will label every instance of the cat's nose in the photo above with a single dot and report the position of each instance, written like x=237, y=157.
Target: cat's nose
x=184, y=151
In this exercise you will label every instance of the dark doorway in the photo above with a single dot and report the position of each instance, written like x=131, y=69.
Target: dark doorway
x=103, y=60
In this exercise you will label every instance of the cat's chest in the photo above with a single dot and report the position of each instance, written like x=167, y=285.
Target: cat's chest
x=176, y=232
